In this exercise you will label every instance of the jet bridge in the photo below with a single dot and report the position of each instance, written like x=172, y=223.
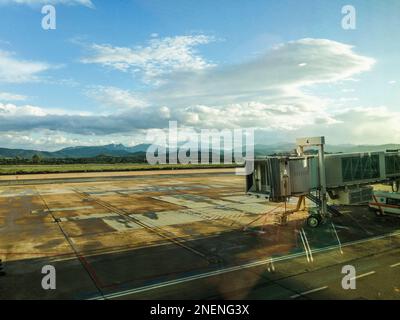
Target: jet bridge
x=342, y=178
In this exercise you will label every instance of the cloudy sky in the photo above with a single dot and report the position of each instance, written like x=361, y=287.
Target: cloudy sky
x=113, y=71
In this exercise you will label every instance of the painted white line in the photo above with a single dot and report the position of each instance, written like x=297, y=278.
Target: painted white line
x=363, y=275
x=235, y=268
x=308, y=292
x=308, y=246
x=337, y=236
x=271, y=267
x=305, y=247
x=395, y=265
x=342, y=227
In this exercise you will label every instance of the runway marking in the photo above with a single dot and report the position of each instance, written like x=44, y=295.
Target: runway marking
x=306, y=246
x=337, y=236
x=89, y=217
x=271, y=267
x=308, y=292
x=395, y=265
x=363, y=275
x=232, y=269
x=61, y=209
x=342, y=227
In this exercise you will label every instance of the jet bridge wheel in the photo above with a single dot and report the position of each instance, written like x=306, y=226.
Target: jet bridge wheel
x=313, y=221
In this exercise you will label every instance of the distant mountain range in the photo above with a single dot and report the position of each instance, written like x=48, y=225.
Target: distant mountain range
x=119, y=150
x=115, y=150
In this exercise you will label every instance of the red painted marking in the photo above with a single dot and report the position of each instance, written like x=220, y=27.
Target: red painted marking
x=378, y=204
x=91, y=270
x=384, y=205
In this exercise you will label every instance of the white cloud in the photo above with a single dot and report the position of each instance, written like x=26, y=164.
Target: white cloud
x=274, y=74
x=364, y=125
x=13, y=70
x=254, y=114
x=116, y=98
x=10, y=110
x=7, y=96
x=269, y=93
x=392, y=82
x=268, y=90
x=86, y=3
x=159, y=57
x=7, y=110
x=43, y=139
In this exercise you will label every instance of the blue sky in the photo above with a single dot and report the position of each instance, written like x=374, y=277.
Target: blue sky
x=113, y=71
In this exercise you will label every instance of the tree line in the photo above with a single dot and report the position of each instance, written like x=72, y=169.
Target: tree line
x=36, y=159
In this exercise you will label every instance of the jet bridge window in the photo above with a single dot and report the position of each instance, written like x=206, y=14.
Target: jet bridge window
x=392, y=164
x=360, y=168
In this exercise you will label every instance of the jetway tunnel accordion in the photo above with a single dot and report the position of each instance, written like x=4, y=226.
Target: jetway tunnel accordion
x=278, y=177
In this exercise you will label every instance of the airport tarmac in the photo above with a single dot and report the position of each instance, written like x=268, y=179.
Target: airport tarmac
x=191, y=234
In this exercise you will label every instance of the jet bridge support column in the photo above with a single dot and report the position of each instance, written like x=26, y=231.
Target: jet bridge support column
x=322, y=179
x=317, y=142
